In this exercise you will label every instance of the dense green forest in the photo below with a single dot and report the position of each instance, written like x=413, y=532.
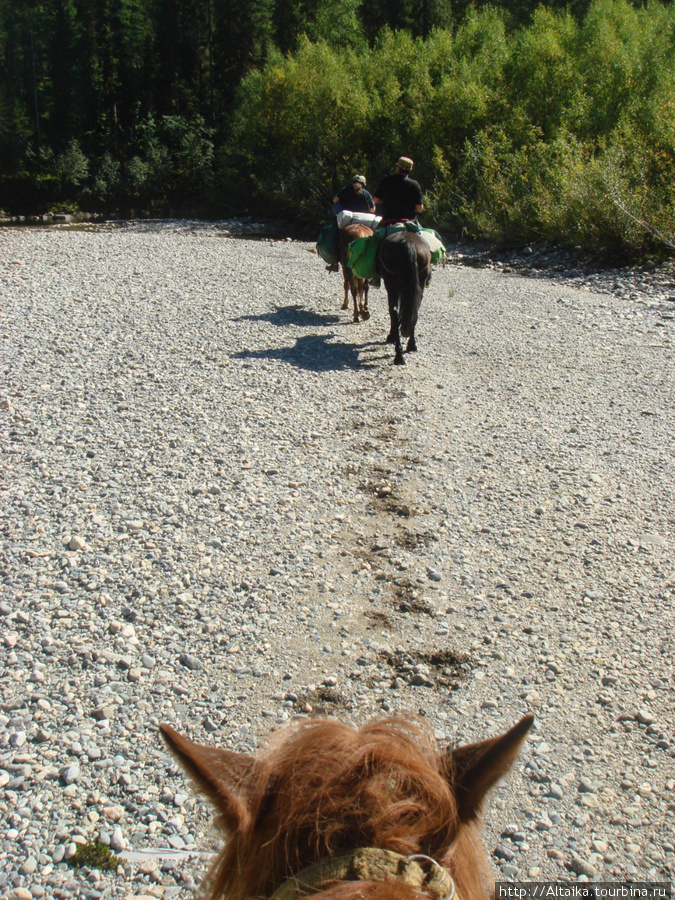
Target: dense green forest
x=528, y=122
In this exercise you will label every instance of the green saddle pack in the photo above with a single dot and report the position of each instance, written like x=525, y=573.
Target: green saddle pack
x=327, y=244
x=362, y=256
x=362, y=253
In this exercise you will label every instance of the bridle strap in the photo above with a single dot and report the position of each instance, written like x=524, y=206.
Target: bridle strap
x=371, y=864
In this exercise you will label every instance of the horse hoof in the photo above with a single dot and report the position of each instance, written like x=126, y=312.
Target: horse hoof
x=390, y=339
x=365, y=315
x=356, y=319
x=345, y=306
x=398, y=360
x=411, y=348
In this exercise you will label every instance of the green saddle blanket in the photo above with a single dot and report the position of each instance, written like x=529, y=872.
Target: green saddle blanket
x=362, y=253
x=362, y=256
x=327, y=244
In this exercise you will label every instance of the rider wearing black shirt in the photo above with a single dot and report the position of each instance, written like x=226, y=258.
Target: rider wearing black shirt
x=399, y=195
x=355, y=197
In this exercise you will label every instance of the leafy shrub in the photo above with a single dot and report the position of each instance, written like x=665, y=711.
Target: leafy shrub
x=72, y=167
x=105, y=186
x=561, y=129
x=300, y=124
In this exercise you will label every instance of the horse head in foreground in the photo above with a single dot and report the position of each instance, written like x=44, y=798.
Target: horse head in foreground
x=404, y=262
x=340, y=813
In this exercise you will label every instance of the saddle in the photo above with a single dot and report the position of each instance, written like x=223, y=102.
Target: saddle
x=385, y=223
x=362, y=253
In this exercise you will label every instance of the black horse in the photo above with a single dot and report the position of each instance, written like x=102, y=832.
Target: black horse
x=404, y=262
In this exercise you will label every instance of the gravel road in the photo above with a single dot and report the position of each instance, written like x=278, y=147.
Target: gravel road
x=223, y=506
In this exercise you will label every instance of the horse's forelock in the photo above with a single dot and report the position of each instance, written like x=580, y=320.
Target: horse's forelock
x=324, y=788
x=328, y=788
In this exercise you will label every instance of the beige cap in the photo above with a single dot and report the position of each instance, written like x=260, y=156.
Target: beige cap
x=404, y=163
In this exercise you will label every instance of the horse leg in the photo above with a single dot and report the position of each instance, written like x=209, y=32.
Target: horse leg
x=398, y=351
x=412, y=344
x=393, y=318
x=345, y=305
x=365, y=312
x=353, y=287
x=394, y=336
x=424, y=276
x=359, y=287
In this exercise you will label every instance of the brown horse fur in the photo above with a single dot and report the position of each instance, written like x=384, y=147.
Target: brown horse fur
x=351, y=282
x=323, y=788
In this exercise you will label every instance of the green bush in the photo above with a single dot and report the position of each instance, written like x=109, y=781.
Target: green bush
x=105, y=186
x=171, y=159
x=300, y=124
x=72, y=167
x=561, y=129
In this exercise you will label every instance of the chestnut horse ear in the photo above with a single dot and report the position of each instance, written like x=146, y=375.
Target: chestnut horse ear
x=475, y=768
x=220, y=774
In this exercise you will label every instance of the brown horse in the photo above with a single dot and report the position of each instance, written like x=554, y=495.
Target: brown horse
x=336, y=812
x=404, y=262
x=352, y=283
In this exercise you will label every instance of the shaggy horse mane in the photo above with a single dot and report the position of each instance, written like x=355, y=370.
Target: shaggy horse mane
x=322, y=788
x=326, y=788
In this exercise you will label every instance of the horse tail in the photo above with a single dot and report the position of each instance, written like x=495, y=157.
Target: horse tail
x=411, y=290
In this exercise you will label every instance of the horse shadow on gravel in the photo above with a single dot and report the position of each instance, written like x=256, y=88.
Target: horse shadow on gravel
x=296, y=315
x=314, y=352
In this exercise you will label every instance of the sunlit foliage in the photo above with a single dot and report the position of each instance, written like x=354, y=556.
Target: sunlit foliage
x=550, y=122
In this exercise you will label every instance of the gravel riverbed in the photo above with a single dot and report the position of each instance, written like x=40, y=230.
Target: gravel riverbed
x=223, y=507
